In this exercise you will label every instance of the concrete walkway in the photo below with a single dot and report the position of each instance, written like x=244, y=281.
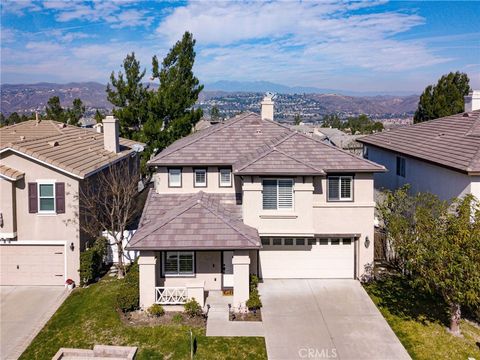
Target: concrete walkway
x=24, y=311
x=325, y=319
x=218, y=323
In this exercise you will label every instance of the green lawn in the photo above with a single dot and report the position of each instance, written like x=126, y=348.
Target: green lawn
x=88, y=317
x=420, y=322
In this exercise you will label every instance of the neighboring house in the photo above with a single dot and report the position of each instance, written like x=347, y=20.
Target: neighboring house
x=251, y=196
x=440, y=156
x=43, y=166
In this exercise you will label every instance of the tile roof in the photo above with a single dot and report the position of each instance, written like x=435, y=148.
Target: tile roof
x=276, y=148
x=451, y=141
x=10, y=173
x=74, y=150
x=193, y=221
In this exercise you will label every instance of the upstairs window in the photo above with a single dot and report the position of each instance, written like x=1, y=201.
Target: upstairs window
x=277, y=194
x=46, y=197
x=400, y=166
x=175, y=178
x=225, y=177
x=340, y=188
x=200, y=178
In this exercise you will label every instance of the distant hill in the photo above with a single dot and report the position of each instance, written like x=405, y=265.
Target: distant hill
x=28, y=98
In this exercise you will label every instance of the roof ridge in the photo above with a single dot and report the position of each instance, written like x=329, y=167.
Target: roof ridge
x=215, y=130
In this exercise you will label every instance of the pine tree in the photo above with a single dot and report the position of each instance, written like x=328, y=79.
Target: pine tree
x=99, y=116
x=76, y=112
x=54, y=110
x=443, y=99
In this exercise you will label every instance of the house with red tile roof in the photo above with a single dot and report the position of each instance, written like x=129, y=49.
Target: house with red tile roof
x=43, y=164
x=251, y=196
x=440, y=156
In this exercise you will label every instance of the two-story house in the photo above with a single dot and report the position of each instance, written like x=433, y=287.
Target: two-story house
x=251, y=196
x=440, y=156
x=43, y=165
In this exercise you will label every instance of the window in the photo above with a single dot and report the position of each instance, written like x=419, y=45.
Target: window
x=288, y=242
x=312, y=242
x=225, y=177
x=400, y=166
x=200, y=178
x=365, y=151
x=277, y=194
x=340, y=188
x=175, y=178
x=346, y=241
x=277, y=241
x=178, y=263
x=335, y=241
x=46, y=197
x=265, y=241
x=300, y=242
x=323, y=241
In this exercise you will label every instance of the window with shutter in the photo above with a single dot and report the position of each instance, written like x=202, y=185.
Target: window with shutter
x=277, y=194
x=340, y=188
x=46, y=197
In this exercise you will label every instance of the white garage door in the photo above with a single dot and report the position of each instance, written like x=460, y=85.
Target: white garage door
x=32, y=265
x=289, y=258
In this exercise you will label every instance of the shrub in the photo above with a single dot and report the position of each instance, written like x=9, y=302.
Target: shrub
x=192, y=308
x=128, y=292
x=91, y=261
x=156, y=310
x=254, y=301
x=253, y=282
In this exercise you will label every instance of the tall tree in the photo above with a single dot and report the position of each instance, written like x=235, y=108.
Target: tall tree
x=214, y=113
x=297, y=119
x=443, y=99
x=76, y=112
x=332, y=121
x=172, y=106
x=99, y=116
x=129, y=96
x=54, y=109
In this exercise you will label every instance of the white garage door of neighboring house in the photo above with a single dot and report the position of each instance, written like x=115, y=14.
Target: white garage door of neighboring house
x=32, y=265
x=307, y=258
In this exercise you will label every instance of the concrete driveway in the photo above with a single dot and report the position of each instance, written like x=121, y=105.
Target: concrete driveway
x=24, y=310
x=325, y=319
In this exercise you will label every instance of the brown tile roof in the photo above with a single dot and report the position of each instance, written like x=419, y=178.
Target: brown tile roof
x=452, y=141
x=74, y=150
x=276, y=148
x=10, y=173
x=193, y=221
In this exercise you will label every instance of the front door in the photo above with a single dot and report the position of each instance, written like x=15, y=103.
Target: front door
x=227, y=269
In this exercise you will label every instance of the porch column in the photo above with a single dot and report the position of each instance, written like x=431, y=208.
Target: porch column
x=241, y=267
x=147, y=278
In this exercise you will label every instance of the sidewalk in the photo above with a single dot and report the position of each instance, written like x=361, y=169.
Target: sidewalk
x=218, y=323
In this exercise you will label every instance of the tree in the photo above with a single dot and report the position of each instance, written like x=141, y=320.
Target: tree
x=444, y=99
x=99, y=116
x=214, y=113
x=109, y=202
x=438, y=244
x=332, y=121
x=76, y=112
x=54, y=110
x=3, y=120
x=297, y=119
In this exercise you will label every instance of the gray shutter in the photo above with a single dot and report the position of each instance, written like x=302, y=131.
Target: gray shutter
x=269, y=194
x=333, y=188
x=285, y=194
x=60, y=198
x=32, y=198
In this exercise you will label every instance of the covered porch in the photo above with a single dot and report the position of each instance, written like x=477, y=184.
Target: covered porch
x=197, y=246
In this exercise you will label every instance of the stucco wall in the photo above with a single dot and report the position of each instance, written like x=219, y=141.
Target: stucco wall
x=7, y=195
x=42, y=227
x=161, y=182
x=422, y=176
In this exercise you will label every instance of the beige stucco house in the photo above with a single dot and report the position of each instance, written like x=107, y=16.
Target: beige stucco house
x=43, y=164
x=251, y=196
x=440, y=156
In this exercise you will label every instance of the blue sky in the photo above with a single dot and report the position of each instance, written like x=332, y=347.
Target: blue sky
x=363, y=46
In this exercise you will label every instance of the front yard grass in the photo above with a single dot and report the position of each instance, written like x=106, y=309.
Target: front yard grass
x=88, y=317
x=420, y=322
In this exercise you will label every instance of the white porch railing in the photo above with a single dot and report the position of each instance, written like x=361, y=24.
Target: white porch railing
x=170, y=295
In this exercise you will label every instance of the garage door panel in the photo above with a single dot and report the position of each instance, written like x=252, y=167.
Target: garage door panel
x=32, y=264
x=315, y=261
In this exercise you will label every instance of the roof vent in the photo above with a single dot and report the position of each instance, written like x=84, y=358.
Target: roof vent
x=53, y=143
x=62, y=125
x=466, y=114
x=259, y=131
x=22, y=137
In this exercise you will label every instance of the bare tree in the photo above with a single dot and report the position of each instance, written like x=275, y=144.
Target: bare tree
x=108, y=202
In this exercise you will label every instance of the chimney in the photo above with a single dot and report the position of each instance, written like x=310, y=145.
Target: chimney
x=267, y=106
x=472, y=101
x=37, y=120
x=110, y=134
